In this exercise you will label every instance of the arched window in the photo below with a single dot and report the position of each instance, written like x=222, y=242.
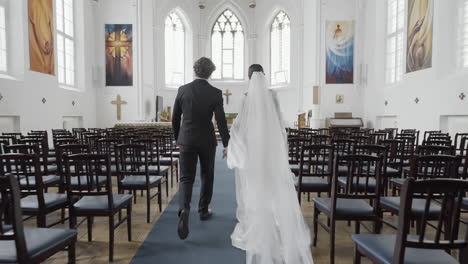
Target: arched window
x=280, y=49
x=175, y=51
x=227, y=47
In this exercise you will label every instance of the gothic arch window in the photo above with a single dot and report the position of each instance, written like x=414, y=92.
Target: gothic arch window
x=227, y=47
x=174, y=50
x=280, y=49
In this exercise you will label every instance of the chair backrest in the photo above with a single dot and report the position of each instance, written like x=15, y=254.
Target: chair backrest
x=428, y=134
x=10, y=213
x=90, y=167
x=317, y=163
x=154, y=148
x=409, y=145
x=361, y=170
x=361, y=140
x=459, y=143
x=425, y=150
x=447, y=234
x=343, y=146
x=378, y=136
x=22, y=148
x=108, y=146
x=395, y=150
x=68, y=149
x=17, y=136
x=295, y=146
x=26, y=169
x=132, y=160
x=434, y=167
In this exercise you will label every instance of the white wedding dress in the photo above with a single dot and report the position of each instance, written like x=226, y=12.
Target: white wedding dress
x=271, y=227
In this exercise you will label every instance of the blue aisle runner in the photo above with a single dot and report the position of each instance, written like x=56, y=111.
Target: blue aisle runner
x=209, y=242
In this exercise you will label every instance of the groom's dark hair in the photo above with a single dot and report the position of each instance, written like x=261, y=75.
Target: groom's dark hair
x=255, y=68
x=204, y=67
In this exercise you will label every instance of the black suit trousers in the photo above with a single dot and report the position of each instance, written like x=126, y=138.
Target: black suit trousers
x=189, y=156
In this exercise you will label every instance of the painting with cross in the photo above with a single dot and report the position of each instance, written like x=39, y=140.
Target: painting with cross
x=119, y=55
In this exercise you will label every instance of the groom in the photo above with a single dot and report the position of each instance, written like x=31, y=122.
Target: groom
x=196, y=102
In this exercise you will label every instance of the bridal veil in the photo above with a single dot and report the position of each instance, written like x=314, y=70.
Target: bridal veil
x=271, y=226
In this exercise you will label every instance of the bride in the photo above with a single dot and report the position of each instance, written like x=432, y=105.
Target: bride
x=271, y=227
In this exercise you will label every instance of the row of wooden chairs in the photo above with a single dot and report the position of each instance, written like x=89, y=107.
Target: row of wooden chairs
x=356, y=178
x=84, y=176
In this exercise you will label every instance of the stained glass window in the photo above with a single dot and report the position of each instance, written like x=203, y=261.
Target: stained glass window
x=175, y=50
x=65, y=42
x=280, y=49
x=227, y=47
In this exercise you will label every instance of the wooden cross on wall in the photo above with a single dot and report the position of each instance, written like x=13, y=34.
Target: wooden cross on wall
x=119, y=104
x=227, y=94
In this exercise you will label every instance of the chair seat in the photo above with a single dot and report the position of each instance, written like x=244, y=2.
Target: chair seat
x=342, y=170
x=391, y=172
x=101, y=203
x=382, y=247
x=398, y=181
x=393, y=203
x=51, y=160
x=46, y=180
x=345, y=207
x=313, y=184
x=83, y=181
x=342, y=181
x=166, y=161
x=153, y=170
x=38, y=242
x=52, y=168
x=465, y=203
x=140, y=180
x=295, y=168
x=30, y=202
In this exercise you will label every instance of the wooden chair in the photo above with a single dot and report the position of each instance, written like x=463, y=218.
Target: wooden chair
x=423, y=168
x=317, y=170
x=96, y=201
x=36, y=202
x=47, y=180
x=295, y=145
x=459, y=142
x=133, y=169
x=428, y=134
x=350, y=203
x=425, y=247
x=170, y=160
x=31, y=245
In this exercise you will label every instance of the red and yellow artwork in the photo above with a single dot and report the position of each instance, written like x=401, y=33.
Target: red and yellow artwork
x=119, y=55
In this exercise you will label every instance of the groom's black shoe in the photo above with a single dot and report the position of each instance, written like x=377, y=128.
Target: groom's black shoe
x=205, y=215
x=182, y=229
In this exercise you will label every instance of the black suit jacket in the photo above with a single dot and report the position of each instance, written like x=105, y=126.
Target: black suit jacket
x=194, y=106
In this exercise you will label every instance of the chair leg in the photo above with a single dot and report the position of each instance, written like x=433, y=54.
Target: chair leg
x=111, y=238
x=177, y=172
x=41, y=220
x=72, y=253
x=316, y=215
x=72, y=221
x=357, y=228
x=134, y=196
x=167, y=185
x=62, y=216
x=89, y=219
x=357, y=255
x=172, y=175
x=160, y=197
x=148, y=205
x=332, y=242
x=129, y=221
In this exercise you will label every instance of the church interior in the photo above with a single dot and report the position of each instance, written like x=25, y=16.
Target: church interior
x=373, y=96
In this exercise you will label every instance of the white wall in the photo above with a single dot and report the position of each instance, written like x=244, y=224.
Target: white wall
x=23, y=90
x=438, y=88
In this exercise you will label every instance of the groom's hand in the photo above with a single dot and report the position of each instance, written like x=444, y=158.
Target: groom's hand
x=225, y=153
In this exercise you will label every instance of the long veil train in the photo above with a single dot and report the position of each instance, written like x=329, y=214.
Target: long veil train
x=271, y=226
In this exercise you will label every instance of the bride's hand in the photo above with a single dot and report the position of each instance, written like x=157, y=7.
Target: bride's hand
x=225, y=153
